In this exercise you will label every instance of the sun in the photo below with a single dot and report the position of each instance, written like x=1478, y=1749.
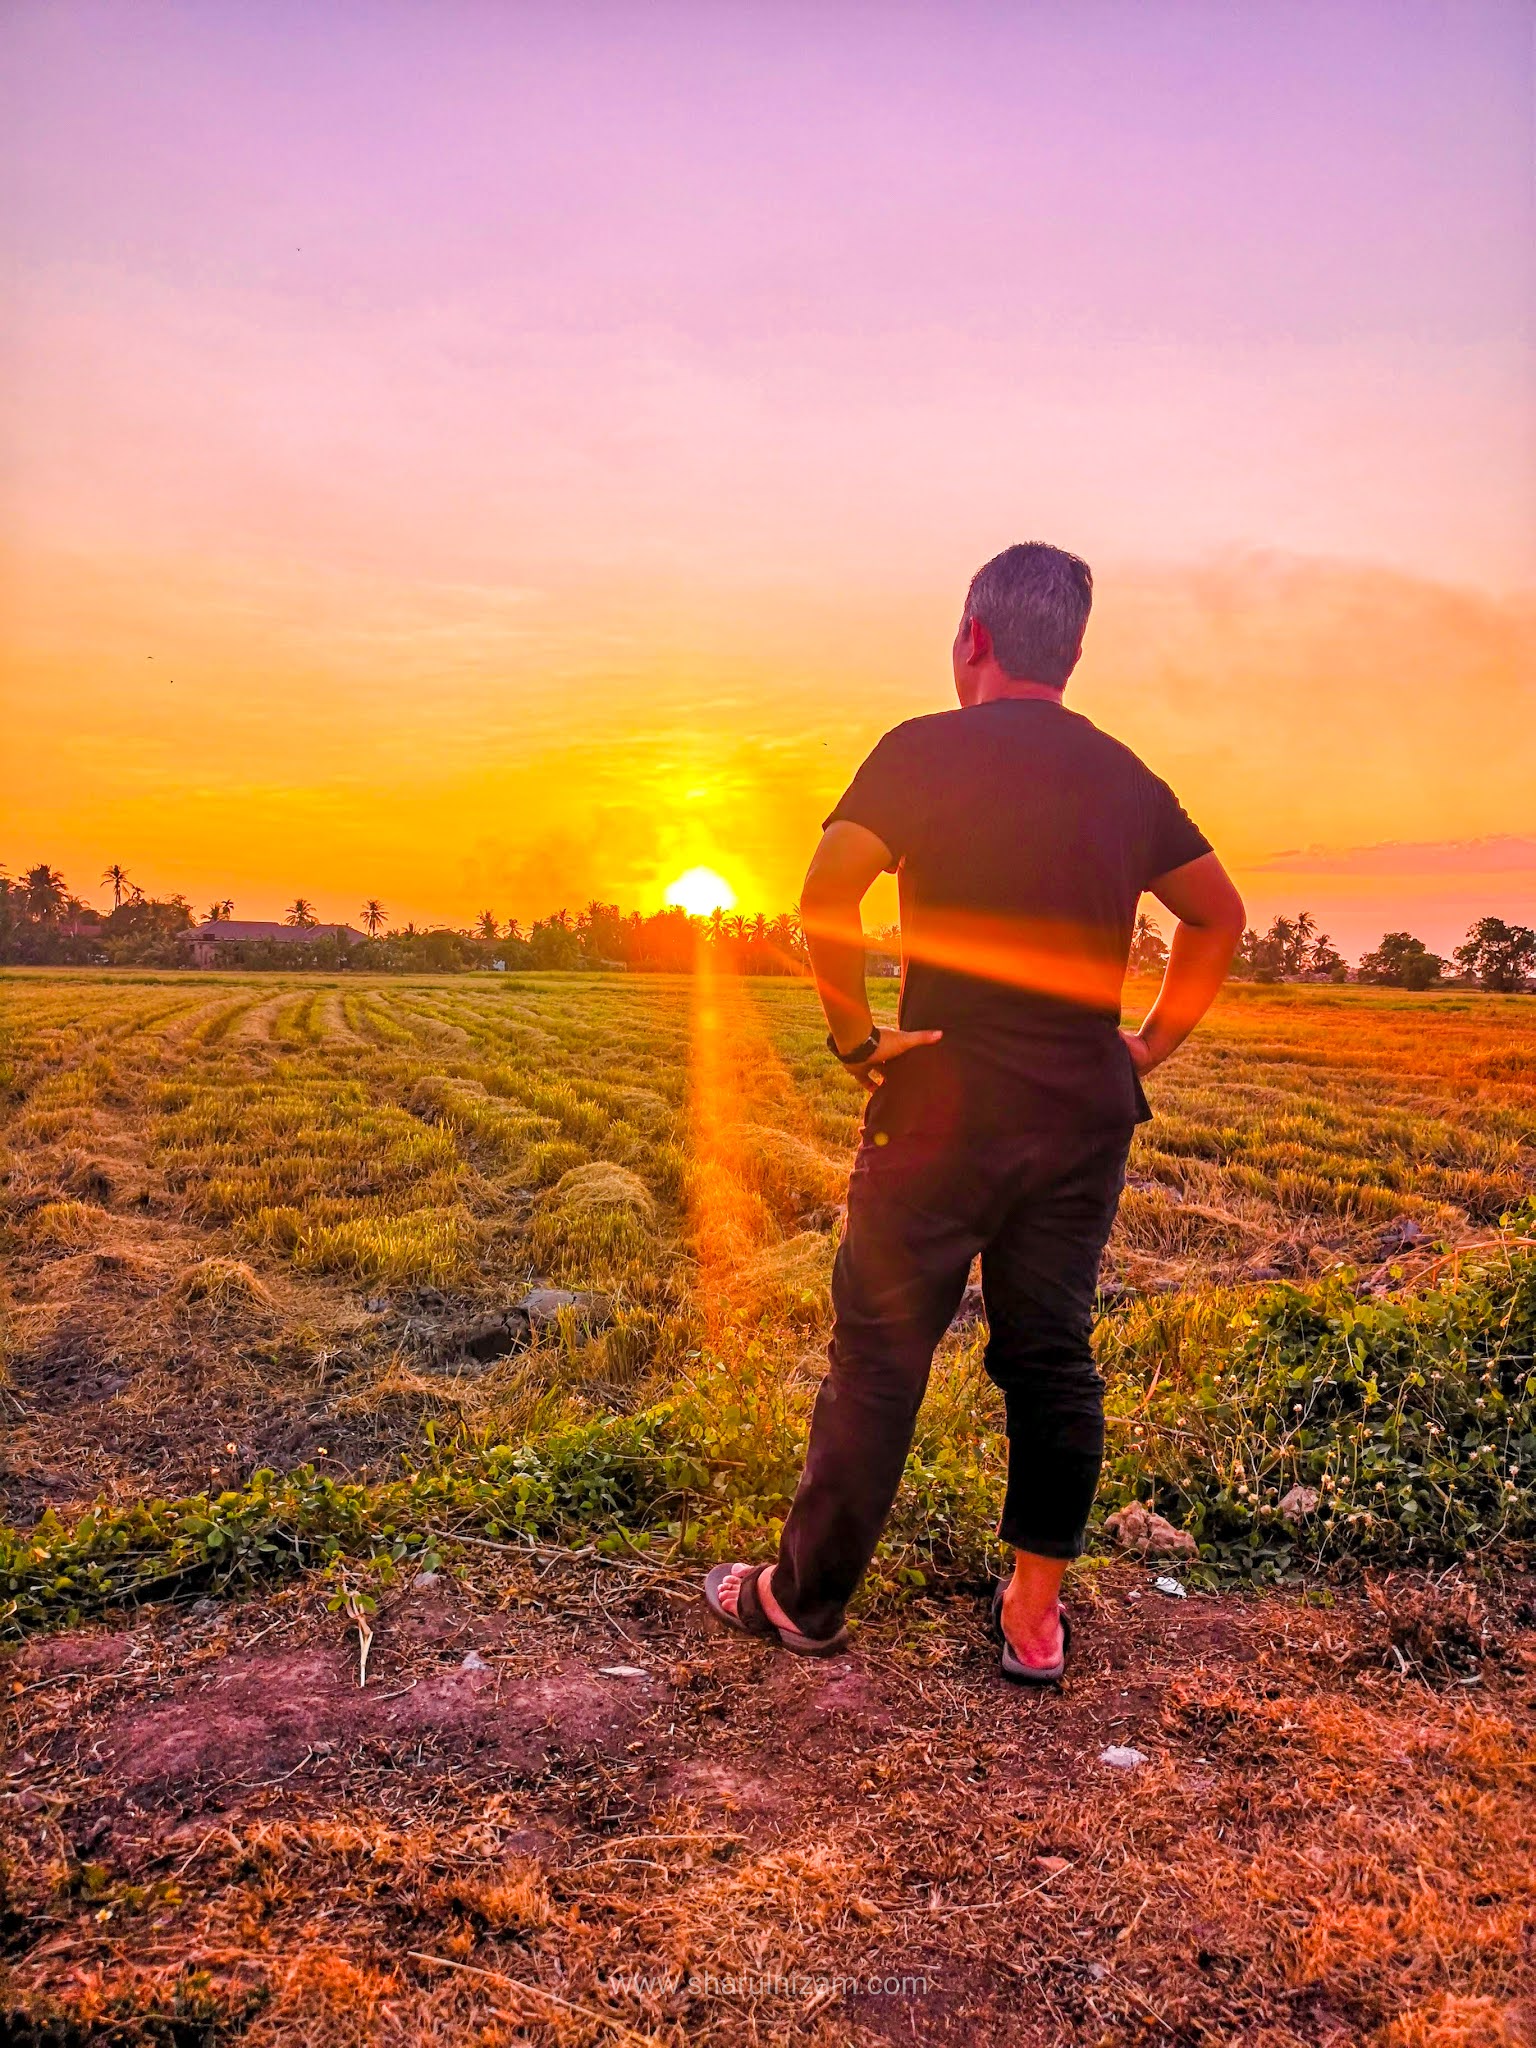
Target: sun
x=700, y=891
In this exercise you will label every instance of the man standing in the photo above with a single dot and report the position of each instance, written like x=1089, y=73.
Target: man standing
x=1002, y=1108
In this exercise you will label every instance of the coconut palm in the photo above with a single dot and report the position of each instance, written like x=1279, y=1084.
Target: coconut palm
x=221, y=907
x=117, y=876
x=486, y=926
x=374, y=916
x=45, y=891
x=1149, y=950
x=1307, y=939
x=301, y=913
x=1283, y=946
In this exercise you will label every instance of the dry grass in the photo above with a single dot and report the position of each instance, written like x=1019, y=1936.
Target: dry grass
x=1318, y=1848
x=243, y=1220
x=222, y=1287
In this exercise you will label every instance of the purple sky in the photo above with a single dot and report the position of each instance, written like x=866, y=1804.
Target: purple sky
x=661, y=349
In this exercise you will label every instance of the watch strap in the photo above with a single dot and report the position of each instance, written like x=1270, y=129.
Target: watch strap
x=859, y=1053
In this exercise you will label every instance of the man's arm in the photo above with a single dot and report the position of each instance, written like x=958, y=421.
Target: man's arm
x=842, y=869
x=1210, y=922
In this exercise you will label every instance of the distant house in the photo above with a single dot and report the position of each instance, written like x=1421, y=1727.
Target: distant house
x=205, y=942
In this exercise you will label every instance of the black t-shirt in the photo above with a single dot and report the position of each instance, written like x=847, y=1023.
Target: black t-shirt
x=1022, y=838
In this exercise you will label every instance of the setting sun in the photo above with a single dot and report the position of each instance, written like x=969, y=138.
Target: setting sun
x=700, y=891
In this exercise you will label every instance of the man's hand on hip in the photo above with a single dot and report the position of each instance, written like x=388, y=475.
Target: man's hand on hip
x=891, y=1047
x=1143, y=1057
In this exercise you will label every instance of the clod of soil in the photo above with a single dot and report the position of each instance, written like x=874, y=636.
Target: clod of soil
x=543, y=1305
x=1145, y=1534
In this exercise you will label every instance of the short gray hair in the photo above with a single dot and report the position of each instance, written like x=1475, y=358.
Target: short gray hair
x=1034, y=600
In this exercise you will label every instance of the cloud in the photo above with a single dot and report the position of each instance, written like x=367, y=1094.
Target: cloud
x=1500, y=853
x=1314, y=704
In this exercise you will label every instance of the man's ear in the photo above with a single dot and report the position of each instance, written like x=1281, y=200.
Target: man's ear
x=979, y=653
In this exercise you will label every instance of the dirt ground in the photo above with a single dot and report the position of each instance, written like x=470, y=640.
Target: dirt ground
x=566, y=1808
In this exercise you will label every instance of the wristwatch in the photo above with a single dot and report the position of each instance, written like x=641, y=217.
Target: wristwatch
x=860, y=1053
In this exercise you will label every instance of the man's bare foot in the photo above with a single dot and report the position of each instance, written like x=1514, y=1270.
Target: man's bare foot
x=1033, y=1631
x=730, y=1592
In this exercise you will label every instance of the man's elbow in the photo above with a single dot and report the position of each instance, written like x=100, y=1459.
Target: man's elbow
x=1229, y=930
x=1234, y=919
x=828, y=910
x=1222, y=917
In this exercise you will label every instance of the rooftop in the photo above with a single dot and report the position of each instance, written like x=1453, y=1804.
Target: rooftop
x=240, y=931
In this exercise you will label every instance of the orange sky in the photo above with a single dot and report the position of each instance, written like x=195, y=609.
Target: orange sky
x=406, y=496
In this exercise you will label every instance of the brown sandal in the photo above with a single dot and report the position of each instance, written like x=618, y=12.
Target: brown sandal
x=1012, y=1665
x=751, y=1619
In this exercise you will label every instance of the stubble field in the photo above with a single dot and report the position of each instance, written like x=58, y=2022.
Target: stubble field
x=270, y=1248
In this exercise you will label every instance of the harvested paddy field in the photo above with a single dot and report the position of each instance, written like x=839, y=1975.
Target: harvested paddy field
x=438, y=1332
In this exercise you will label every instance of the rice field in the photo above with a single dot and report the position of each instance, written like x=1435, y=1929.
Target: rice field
x=516, y=1288
x=360, y=1164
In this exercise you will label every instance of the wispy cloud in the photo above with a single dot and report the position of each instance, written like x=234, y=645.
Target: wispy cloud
x=1500, y=853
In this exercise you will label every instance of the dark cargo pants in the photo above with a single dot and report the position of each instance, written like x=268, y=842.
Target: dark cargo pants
x=1038, y=1207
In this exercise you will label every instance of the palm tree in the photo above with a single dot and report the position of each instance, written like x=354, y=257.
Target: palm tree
x=373, y=915
x=301, y=914
x=220, y=907
x=1282, y=945
x=514, y=930
x=1149, y=949
x=45, y=892
x=118, y=877
x=486, y=925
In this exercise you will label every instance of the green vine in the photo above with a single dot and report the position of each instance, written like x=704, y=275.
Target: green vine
x=1413, y=1422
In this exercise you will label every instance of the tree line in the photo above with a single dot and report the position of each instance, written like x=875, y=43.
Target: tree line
x=42, y=922
x=1494, y=955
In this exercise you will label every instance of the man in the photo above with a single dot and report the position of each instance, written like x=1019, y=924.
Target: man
x=1002, y=1108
